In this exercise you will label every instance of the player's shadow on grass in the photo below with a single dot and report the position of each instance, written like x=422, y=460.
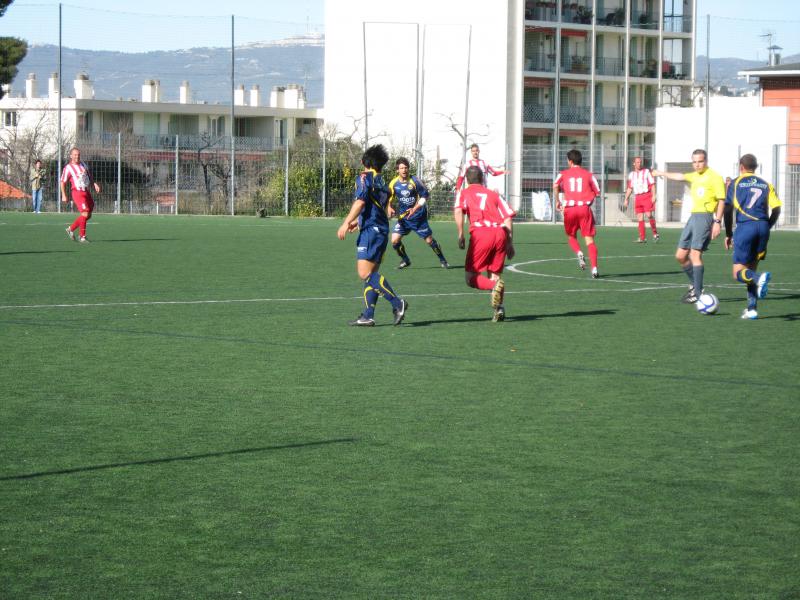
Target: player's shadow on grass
x=519, y=318
x=640, y=273
x=786, y=317
x=171, y=459
x=34, y=252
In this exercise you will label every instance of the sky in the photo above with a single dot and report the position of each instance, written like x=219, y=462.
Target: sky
x=737, y=26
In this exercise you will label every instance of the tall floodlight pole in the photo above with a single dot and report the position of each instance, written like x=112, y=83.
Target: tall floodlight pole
x=233, y=116
x=416, y=107
x=708, y=75
x=366, y=105
x=421, y=97
x=58, y=137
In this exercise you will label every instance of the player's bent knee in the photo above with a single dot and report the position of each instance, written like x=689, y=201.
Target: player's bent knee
x=471, y=279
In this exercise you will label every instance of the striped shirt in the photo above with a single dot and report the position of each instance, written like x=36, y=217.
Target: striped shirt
x=640, y=181
x=484, y=207
x=579, y=186
x=78, y=175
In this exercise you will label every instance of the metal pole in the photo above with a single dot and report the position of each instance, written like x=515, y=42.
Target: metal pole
x=324, y=186
x=366, y=105
x=233, y=139
x=421, y=98
x=603, y=186
x=708, y=74
x=466, y=101
x=60, y=141
x=177, y=164
x=286, y=179
x=416, y=105
x=119, y=173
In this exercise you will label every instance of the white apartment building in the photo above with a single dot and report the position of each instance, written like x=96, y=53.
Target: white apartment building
x=544, y=76
x=154, y=123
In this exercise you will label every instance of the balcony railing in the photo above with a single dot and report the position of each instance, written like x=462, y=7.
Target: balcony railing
x=575, y=12
x=641, y=117
x=575, y=114
x=609, y=116
x=671, y=70
x=643, y=20
x=185, y=142
x=614, y=67
x=677, y=24
x=575, y=64
x=538, y=113
x=541, y=62
x=536, y=10
x=643, y=68
x=614, y=17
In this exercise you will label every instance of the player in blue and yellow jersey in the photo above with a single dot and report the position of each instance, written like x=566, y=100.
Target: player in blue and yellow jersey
x=369, y=216
x=707, y=191
x=757, y=208
x=409, y=195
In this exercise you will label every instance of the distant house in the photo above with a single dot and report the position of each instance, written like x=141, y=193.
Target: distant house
x=13, y=197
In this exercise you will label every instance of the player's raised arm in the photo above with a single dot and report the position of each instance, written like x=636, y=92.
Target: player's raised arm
x=669, y=175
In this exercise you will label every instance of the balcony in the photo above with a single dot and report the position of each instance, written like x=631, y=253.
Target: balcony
x=573, y=12
x=677, y=24
x=643, y=20
x=614, y=17
x=611, y=67
x=541, y=11
x=575, y=64
x=642, y=118
x=643, y=68
x=575, y=114
x=671, y=70
x=541, y=62
x=604, y=115
x=538, y=113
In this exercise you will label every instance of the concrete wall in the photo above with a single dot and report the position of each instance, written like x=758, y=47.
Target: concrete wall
x=736, y=126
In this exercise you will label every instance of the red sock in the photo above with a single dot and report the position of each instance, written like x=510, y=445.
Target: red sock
x=653, y=227
x=592, y=254
x=82, y=223
x=573, y=243
x=641, y=230
x=76, y=223
x=481, y=282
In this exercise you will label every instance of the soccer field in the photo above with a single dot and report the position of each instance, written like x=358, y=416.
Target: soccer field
x=184, y=413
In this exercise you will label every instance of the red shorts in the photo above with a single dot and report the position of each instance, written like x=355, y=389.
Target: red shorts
x=643, y=203
x=83, y=201
x=579, y=217
x=487, y=250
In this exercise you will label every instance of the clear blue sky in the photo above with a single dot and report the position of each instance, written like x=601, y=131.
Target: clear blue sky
x=160, y=24
x=736, y=25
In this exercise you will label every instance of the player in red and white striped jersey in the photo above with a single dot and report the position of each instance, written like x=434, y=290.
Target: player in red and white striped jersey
x=77, y=174
x=642, y=185
x=580, y=188
x=490, y=233
x=477, y=161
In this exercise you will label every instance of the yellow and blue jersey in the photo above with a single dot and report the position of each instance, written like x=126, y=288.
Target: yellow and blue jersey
x=752, y=198
x=371, y=188
x=708, y=188
x=405, y=195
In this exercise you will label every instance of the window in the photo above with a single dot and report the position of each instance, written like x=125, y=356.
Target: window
x=85, y=122
x=10, y=118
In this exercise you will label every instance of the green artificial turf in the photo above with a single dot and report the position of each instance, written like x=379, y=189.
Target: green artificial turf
x=184, y=413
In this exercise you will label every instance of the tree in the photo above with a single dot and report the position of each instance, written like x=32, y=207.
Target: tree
x=12, y=51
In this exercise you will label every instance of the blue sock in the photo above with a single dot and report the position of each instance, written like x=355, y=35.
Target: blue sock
x=697, y=278
x=752, y=296
x=370, y=299
x=437, y=250
x=400, y=248
x=377, y=281
x=747, y=276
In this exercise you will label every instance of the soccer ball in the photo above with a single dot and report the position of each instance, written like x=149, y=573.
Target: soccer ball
x=707, y=304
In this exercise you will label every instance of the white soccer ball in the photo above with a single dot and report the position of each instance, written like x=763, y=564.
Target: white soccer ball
x=707, y=304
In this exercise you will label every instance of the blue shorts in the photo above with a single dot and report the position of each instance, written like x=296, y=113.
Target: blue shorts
x=406, y=226
x=750, y=242
x=371, y=244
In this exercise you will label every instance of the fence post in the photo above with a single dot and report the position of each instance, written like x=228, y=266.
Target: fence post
x=118, y=204
x=177, y=146
x=324, y=199
x=603, y=185
x=286, y=181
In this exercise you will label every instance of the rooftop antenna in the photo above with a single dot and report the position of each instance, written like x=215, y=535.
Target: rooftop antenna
x=772, y=49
